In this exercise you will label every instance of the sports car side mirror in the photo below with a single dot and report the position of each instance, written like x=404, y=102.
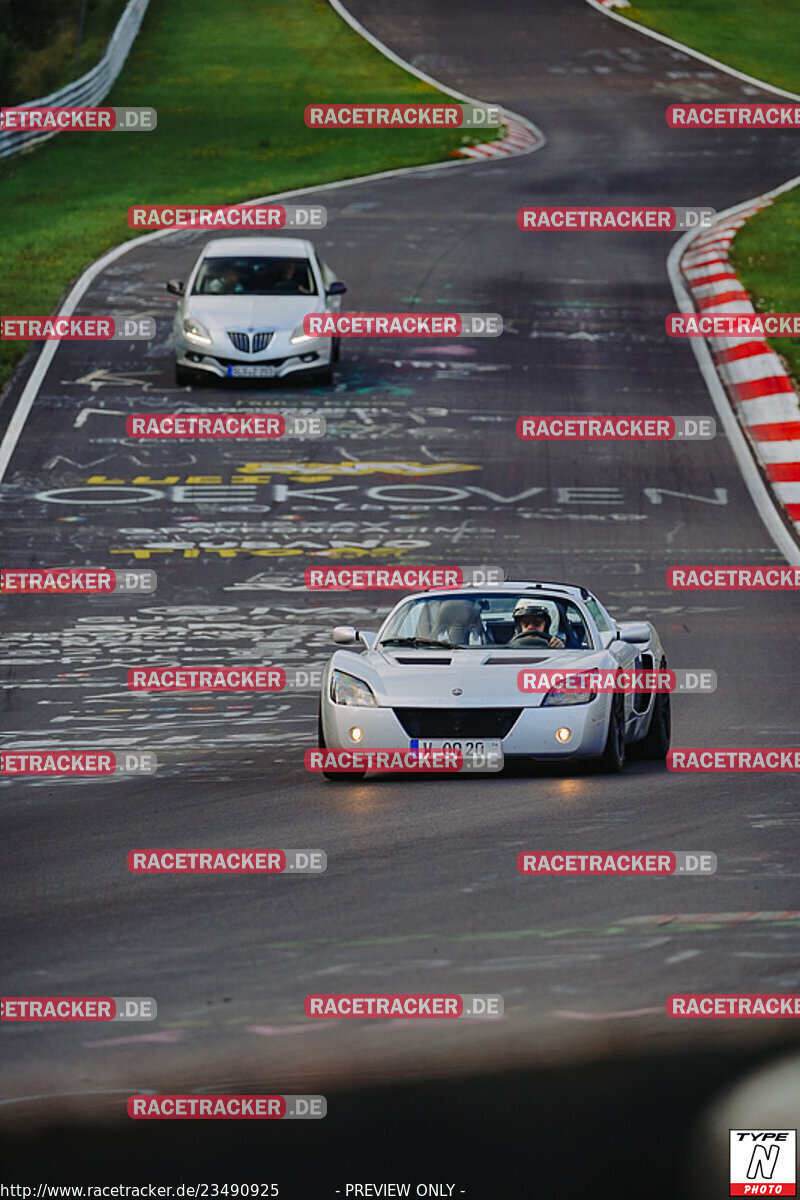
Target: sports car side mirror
x=337, y=288
x=345, y=635
x=175, y=286
x=634, y=632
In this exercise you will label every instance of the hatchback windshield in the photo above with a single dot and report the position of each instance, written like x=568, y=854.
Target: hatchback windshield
x=251, y=276
x=488, y=619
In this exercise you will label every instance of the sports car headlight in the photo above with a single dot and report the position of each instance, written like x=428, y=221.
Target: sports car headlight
x=346, y=689
x=196, y=332
x=300, y=335
x=562, y=699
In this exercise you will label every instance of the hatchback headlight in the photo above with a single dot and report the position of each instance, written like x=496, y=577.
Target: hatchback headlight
x=300, y=335
x=563, y=699
x=347, y=689
x=196, y=332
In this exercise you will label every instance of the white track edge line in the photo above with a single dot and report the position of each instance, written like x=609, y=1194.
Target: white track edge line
x=706, y=58
x=762, y=497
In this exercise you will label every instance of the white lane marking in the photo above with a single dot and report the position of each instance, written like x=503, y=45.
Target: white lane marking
x=682, y=957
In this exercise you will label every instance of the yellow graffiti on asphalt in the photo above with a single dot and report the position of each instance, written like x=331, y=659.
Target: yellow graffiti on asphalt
x=311, y=472
x=267, y=552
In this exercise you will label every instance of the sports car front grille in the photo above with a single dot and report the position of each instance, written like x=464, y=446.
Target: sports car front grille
x=242, y=340
x=457, y=722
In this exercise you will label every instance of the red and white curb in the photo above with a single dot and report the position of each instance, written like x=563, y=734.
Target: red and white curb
x=520, y=138
x=758, y=385
x=748, y=384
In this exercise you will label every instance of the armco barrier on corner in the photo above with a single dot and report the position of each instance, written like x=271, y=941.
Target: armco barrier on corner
x=90, y=89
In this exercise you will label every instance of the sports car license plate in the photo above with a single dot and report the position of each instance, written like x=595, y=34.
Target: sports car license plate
x=478, y=754
x=465, y=745
x=254, y=372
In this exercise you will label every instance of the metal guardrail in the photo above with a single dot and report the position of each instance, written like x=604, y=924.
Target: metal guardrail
x=90, y=89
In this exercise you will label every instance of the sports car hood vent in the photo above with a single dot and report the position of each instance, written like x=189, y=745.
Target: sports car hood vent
x=424, y=662
x=508, y=660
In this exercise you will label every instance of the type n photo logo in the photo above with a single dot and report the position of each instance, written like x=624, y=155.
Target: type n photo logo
x=763, y=1162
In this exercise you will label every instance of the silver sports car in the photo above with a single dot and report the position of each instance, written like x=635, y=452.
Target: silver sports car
x=442, y=671
x=241, y=311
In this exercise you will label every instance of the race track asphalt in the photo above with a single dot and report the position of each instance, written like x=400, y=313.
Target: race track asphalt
x=422, y=890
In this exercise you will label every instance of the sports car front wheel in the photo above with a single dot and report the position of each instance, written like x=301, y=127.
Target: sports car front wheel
x=612, y=760
x=335, y=776
x=655, y=743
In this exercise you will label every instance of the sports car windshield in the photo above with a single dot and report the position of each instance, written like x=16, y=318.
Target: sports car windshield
x=247, y=275
x=486, y=619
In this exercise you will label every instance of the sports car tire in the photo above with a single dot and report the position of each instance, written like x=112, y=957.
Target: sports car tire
x=655, y=743
x=336, y=776
x=612, y=759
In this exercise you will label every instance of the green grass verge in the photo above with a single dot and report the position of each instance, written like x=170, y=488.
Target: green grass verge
x=766, y=257
x=761, y=38
x=230, y=83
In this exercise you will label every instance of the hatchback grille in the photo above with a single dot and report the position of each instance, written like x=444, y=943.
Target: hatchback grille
x=260, y=340
x=237, y=362
x=457, y=722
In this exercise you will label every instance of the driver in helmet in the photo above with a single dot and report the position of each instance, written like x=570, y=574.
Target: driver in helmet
x=532, y=627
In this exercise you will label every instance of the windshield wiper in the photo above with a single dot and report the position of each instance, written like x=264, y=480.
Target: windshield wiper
x=413, y=641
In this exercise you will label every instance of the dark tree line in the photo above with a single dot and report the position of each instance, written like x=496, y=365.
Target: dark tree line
x=39, y=38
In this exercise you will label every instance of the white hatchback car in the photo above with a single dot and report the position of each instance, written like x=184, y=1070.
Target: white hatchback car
x=241, y=311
